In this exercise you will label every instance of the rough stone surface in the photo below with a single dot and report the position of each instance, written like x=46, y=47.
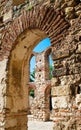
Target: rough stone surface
x=20, y=31
x=40, y=107
x=78, y=100
x=67, y=71
x=60, y=102
x=7, y=16
x=61, y=91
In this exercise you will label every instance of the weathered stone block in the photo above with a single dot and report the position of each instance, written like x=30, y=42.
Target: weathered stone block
x=17, y=2
x=78, y=99
x=78, y=12
x=22, y=119
x=60, y=102
x=79, y=127
x=2, y=89
x=75, y=69
x=60, y=72
x=18, y=104
x=7, y=16
x=9, y=102
x=68, y=10
x=54, y=82
x=71, y=3
x=39, y=76
x=60, y=54
x=64, y=80
x=11, y=122
x=58, y=126
x=17, y=121
x=61, y=91
x=3, y=70
x=2, y=103
x=79, y=48
x=2, y=121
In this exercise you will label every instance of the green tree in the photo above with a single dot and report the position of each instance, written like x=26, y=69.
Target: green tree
x=32, y=76
x=32, y=93
x=51, y=72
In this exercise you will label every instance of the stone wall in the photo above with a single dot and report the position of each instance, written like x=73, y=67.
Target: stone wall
x=66, y=87
x=10, y=9
x=53, y=18
x=40, y=107
x=2, y=91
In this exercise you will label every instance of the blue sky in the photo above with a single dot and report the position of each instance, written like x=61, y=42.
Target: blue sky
x=42, y=45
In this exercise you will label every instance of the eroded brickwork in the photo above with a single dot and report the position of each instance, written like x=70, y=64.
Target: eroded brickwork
x=49, y=17
x=40, y=107
x=66, y=90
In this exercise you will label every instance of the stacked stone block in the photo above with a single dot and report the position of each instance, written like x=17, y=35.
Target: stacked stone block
x=40, y=107
x=66, y=90
x=49, y=18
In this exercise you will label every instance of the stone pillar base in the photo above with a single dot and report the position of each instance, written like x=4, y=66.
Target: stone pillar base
x=17, y=121
x=17, y=128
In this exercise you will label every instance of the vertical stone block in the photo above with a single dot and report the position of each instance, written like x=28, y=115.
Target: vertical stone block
x=60, y=102
x=7, y=16
x=61, y=91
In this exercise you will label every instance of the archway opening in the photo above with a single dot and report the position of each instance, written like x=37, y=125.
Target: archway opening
x=19, y=76
x=17, y=101
x=31, y=81
x=32, y=69
x=43, y=66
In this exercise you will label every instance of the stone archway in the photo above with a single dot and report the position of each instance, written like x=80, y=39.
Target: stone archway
x=19, y=76
x=45, y=19
x=17, y=50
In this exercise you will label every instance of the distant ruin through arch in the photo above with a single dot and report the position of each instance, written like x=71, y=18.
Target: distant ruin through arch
x=40, y=107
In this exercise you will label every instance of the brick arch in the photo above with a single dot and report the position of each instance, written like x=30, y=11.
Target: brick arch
x=45, y=18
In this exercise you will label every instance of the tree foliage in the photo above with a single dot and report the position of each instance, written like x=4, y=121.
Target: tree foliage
x=32, y=76
x=51, y=72
x=32, y=93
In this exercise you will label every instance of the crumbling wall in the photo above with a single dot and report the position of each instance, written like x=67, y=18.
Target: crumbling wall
x=66, y=90
x=40, y=107
x=46, y=16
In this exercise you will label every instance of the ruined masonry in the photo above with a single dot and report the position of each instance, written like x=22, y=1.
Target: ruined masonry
x=40, y=107
x=23, y=24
